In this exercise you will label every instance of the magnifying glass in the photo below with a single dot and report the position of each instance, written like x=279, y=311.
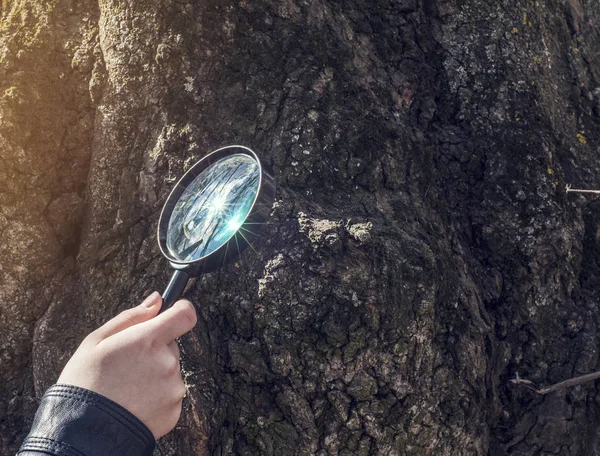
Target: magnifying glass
x=213, y=213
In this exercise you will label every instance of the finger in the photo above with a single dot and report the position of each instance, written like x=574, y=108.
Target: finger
x=170, y=364
x=173, y=322
x=174, y=348
x=177, y=390
x=130, y=317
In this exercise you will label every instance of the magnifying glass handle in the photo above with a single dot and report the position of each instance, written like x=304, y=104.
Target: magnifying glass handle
x=174, y=290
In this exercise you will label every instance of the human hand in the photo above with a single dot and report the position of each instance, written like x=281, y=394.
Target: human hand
x=133, y=360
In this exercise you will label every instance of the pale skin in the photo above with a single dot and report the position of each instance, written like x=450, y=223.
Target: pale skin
x=133, y=359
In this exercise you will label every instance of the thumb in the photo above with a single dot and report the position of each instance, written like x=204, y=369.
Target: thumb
x=145, y=311
x=173, y=322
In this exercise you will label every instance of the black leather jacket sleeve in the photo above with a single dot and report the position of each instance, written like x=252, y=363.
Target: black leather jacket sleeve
x=73, y=421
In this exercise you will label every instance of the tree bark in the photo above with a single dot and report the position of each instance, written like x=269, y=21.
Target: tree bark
x=422, y=251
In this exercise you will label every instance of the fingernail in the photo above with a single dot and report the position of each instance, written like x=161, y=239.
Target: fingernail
x=151, y=300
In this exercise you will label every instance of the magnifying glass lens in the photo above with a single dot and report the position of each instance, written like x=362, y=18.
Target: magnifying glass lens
x=213, y=207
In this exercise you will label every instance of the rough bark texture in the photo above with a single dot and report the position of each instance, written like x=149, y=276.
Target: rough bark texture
x=422, y=251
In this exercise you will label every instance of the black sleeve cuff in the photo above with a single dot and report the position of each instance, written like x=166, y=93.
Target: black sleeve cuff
x=73, y=421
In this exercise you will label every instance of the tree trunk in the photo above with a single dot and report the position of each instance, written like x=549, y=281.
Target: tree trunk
x=422, y=251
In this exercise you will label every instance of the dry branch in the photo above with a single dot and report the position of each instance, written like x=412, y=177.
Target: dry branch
x=557, y=386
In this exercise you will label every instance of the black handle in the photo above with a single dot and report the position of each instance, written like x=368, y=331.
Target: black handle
x=174, y=290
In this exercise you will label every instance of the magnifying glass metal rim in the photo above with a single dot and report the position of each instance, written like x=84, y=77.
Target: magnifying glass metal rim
x=264, y=196
x=258, y=213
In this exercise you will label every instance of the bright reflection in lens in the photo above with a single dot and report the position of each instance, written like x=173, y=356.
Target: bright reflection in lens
x=234, y=224
x=219, y=203
x=213, y=207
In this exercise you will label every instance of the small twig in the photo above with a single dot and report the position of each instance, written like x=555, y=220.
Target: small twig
x=427, y=191
x=578, y=190
x=558, y=386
